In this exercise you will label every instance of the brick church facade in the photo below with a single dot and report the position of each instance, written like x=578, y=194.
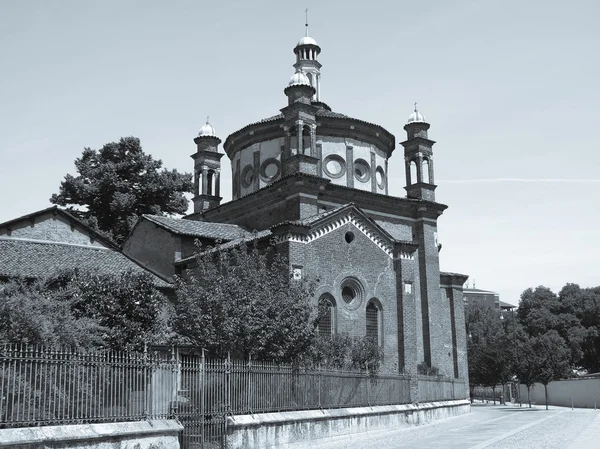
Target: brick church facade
x=315, y=182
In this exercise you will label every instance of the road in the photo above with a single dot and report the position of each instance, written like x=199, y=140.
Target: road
x=487, y=426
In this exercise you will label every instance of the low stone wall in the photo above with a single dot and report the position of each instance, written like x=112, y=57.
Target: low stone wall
x=278, y=430
x=155, y=434
x=584, y=392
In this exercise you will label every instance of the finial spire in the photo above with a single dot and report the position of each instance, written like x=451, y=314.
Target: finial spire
x=415, y=106
x=207, y=117
x=306, y=23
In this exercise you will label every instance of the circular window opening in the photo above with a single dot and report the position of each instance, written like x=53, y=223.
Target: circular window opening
x=334, y=166
x=247, y=176
x=380, y=178
x=352, y=292
x=349, y=237
x=269, y=170
x=362, y=170
x=348, y=294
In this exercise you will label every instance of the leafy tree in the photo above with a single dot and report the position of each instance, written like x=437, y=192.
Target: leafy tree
x=526, y=364
x=243, y=301
x=489, y=348
x=541, y=310
x=585, y=305
x=552, y=357
x=118, y=183
x=128, y=305
x=84, y=310
x=31, y=314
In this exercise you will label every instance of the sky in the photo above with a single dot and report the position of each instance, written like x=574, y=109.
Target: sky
x=510, y=88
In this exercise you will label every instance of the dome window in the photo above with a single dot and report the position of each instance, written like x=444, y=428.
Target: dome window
x=362, y=170
x=334, y=166
x=247, y=176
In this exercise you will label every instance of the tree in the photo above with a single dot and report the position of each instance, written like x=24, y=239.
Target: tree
x=552, y=356
x=585, y=305
x=127, y=304
x=83, y=310
x=117, y=184
x=527, y=364
x=243, y=301
x=489, y=349
x=541, y=310
x=31, y=314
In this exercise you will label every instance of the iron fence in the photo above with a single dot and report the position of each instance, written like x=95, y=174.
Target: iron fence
x=41, y=386
x=436, y=388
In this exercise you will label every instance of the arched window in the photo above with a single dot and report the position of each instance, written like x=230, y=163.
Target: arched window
x=413, y=172
x=425, y=171
x=373, y=318
x=209, y=182
x=306, y=147
x=326, y=324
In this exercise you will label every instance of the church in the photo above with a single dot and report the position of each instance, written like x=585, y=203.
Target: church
x=315, y=182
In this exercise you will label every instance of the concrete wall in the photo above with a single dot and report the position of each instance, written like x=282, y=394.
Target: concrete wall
x=277, y=430
x=155, y=434
x=583, y=392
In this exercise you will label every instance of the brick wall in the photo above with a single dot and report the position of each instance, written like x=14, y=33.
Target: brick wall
x=329, y=260
x=51, y=227
x=153, y=247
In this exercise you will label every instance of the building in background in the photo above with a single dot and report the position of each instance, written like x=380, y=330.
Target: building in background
x=487, y=297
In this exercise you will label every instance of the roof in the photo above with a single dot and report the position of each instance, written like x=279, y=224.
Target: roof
x=71, y=218
x=36, y=259
x=478, y=291
x=199, y=229
x=506, y=305
x=252, y=236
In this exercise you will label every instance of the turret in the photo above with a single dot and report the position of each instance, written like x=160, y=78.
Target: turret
x=207, y=168
x=418, y=158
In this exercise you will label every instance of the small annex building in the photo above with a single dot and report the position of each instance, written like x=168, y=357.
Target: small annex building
x=51, y=240
x=316, y=182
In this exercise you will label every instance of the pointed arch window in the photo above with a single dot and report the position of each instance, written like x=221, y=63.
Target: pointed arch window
x=374, y=321
x=326, y=326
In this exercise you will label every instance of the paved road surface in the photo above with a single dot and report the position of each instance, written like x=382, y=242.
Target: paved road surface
x=490, y=427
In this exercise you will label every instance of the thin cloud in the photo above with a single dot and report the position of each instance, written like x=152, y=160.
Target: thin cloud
x=493, y=180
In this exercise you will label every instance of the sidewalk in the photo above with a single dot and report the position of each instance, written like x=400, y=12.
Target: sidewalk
x=487, y=426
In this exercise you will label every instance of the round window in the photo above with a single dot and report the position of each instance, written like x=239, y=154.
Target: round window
x=247, y=176
x=334, y=166
x=348, y=294
x=269, y=169
x=380, y=178
x=362, y=170
x=352, y=292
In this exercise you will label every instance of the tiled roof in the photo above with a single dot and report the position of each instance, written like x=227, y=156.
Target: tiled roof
x=195, y=228
x=36, y=259
x=232, y=244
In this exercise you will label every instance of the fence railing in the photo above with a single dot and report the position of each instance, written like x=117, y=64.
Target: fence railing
x=440, y=389
x=40, y=386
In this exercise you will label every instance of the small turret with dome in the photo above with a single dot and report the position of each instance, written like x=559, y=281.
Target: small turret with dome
x=207, y=169
x=307, y=50
x=418, y=157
